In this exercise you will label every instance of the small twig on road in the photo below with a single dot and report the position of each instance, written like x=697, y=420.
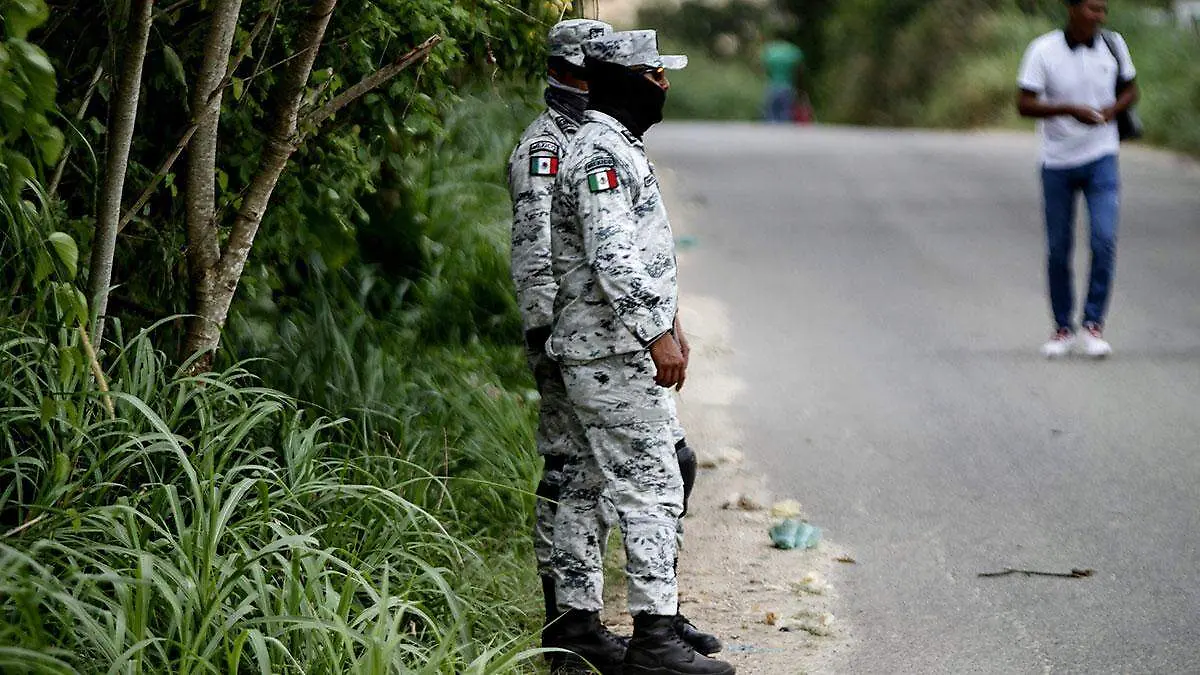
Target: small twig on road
x=1073, y=574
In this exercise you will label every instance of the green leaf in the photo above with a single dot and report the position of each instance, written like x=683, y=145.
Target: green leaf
x=20, y=168
x=36, y=66
x=81, y=304
x=49, y=409
x=68, y=253
x=68, y=362
x=62, y=467
x=42, y=267
x=238, y=88
x=70, y=302
x=22, y=16
x=175, y=66
x=50, y=142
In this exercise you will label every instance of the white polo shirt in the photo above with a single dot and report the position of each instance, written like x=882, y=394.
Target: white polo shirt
x=1082, y=76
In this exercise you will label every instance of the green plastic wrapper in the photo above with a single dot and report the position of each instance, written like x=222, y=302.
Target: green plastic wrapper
x=790, y=533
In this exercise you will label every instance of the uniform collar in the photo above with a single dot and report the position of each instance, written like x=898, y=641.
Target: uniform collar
x=565, y=124
x=1073, y=44
x=611, y=122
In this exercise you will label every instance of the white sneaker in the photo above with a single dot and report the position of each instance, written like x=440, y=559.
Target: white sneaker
x=1094, y=344
x=1060, y=344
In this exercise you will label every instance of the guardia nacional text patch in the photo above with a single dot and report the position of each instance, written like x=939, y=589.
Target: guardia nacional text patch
x=544, y=158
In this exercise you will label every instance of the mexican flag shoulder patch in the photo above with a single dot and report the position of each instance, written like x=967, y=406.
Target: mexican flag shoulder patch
x=603, y=179
x=543, y=166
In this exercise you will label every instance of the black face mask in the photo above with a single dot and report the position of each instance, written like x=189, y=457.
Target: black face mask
x=569, y=103
x=626, y=95
x=565, y=101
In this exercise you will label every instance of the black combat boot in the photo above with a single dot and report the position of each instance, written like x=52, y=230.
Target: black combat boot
x=552, y=627
x=657, y=649
x=705, y=643
x=582, y=634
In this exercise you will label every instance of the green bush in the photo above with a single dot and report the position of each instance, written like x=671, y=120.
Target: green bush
x=360, y=522
x=979, y=89
x=1168, y=63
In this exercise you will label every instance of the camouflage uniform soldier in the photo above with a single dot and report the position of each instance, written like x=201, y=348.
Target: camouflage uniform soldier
x=531, y=170
x=614, y=334
x=532, y=167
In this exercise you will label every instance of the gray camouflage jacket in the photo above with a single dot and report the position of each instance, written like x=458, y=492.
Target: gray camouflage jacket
x=614, y=254
x=531, y=170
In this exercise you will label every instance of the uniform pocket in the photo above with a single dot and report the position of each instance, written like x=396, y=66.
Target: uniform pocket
x=618, y=391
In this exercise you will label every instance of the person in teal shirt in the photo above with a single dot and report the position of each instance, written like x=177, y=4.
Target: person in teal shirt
x=781, y=60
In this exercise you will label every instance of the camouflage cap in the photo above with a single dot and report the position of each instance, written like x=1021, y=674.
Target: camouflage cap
x=631, y=48
x=567, y=37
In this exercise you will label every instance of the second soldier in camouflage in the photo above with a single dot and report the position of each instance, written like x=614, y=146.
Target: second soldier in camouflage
x=532, y=167
x=614, y=322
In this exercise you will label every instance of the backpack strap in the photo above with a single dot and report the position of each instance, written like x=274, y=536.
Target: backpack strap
x=1107, y=35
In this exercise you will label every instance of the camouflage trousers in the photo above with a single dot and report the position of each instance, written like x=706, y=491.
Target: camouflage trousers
x=559, y=435
x=628, y=455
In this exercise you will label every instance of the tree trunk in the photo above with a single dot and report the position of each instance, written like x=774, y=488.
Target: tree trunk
x=203, y=242
x=220, y=279
x=120, y=137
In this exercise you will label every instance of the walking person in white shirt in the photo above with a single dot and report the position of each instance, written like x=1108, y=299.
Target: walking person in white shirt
x=1077, y=81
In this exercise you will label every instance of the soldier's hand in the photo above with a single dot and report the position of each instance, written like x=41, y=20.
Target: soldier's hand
x=669, y=362
x=684, y=347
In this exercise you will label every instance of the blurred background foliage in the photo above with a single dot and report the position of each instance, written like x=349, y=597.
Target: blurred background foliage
x=925, y=63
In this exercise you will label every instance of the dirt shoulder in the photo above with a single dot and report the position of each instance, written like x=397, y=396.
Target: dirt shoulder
x=776, y=611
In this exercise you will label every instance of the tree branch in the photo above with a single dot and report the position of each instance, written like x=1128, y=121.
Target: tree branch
x=97, y=371
x=116, y=163
x=314, y=119
x=203, y=242
x=191, y=130
x=211, y=304
x=178, y=5
x=281, y=143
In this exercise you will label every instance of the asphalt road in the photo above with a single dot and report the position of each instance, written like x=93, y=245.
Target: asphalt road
x=886, y=292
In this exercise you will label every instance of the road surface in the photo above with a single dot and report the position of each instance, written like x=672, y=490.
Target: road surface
x=887, y=297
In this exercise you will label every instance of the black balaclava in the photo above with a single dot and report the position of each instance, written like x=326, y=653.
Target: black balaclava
x=628, y=96
x=563, y=99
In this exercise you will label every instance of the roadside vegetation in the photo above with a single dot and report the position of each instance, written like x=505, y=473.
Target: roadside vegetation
x=723, y=80
x=916, y=63
x=337, y=486
x=953, y=63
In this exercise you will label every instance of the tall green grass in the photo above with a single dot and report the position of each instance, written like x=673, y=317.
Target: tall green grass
x=348, y=494
x=435, y=364
x=215, y=525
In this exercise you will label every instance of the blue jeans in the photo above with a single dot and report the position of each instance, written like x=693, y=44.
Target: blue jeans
x=780, y=103
x=1099, y=181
